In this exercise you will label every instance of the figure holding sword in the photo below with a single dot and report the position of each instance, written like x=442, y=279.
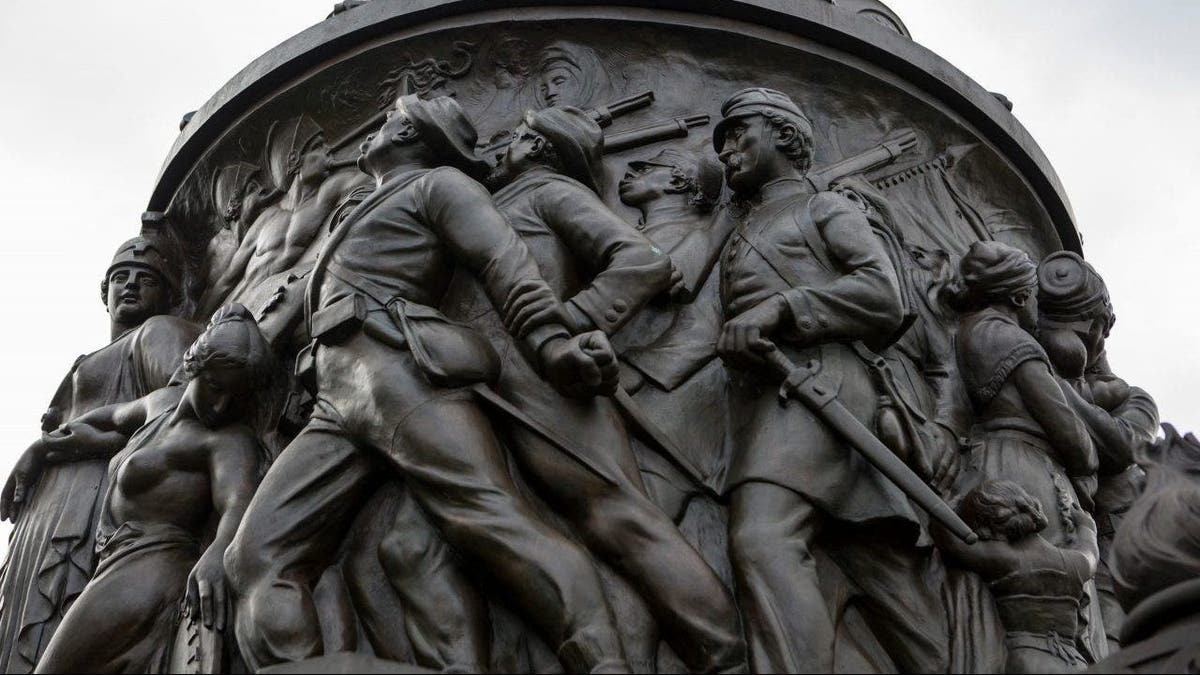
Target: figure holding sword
x=802, y=278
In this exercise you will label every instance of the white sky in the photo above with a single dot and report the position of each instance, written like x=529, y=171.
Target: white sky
x=91, y=94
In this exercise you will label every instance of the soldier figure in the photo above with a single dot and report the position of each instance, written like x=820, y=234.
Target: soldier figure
x=604, y=272
x=805, y=270
x=669, y=349
x=55, y=504
x=285, y=234
x=389, y=373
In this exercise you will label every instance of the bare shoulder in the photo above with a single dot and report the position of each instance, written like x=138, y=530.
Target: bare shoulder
x=234, y=440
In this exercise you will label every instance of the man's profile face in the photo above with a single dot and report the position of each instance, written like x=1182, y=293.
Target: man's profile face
x=135, y=294
x=397, y=128
x=316, y=163
x=644, y=182
x=743, y=152
x=522, y=151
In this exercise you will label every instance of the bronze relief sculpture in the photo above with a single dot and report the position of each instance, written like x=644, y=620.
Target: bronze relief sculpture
x=748, y=337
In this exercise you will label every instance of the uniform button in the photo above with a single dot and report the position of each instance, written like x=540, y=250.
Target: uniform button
x=823, y=319
x=805, y=324
x=611, y=316
x=620, y=306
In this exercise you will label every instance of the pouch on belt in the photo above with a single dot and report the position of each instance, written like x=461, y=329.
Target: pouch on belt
x=449, y=354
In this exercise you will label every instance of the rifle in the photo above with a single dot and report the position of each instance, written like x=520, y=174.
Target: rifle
x=603, y=115
x=881, y=155
x=676, y=127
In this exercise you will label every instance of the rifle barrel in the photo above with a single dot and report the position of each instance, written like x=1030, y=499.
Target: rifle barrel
x=881, y=155
x=605, y=114
x=676, y=127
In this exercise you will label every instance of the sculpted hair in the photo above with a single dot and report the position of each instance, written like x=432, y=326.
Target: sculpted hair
x=697, y=197
x=232, y=340
x=800, y=149
x=548, y=155
x=991, y=272
x=982, y=509
x=1157, y=544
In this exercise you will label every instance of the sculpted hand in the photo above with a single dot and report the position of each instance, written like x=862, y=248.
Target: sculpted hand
x=1110, y=392
x=530, y=304
x=207, y=596
x=677, y=290
x=744, y=338
x=948, y=460
x=582, y=366
x=70, y=442
x=22, y=478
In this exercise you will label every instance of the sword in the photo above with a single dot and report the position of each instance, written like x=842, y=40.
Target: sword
x=801, y=384
x=660, y=442
x=487, y=395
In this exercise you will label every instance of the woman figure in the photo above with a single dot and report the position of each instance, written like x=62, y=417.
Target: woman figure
x=189, y=468
x=1038, y=587
x=1025, y=430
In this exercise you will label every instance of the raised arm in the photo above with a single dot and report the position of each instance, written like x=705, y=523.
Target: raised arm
x=864, y=301
x=1048, y=406
x=628, y=270
x=233, y=474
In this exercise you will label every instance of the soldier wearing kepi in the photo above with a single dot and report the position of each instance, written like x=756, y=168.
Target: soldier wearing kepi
x=803, y=272
x=670, y=348
x=604, y=272
x=55, y=506
x=389, y=373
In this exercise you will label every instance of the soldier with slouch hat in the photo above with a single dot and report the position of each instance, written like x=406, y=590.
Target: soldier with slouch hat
x=392, y=377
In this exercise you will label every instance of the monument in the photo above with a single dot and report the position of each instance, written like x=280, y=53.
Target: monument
x=656, y=336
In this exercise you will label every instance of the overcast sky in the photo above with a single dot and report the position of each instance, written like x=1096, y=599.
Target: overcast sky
x=91, y=94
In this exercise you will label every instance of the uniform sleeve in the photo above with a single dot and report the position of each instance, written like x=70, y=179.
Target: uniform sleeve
x=628, y=270
x=864, y=302
x=162, y=342
x=483, y=242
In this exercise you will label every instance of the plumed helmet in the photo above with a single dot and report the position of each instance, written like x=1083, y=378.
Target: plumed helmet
x=442, y=126
x=228, y=188
x=286, y=143
x=577, y=140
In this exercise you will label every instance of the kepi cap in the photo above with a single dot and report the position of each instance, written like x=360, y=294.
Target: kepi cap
x=757, y=101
